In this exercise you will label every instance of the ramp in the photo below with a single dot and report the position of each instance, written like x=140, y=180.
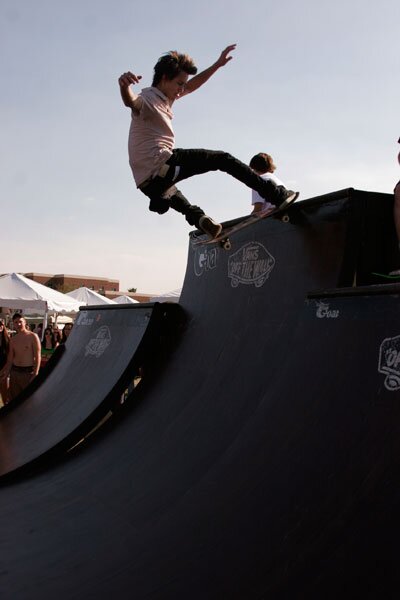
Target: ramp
x=104, y=352
x=264, y=461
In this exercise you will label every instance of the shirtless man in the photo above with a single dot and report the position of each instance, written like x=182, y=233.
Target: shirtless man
x=23, y=361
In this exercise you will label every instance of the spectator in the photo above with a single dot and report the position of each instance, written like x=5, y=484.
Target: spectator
x=49, y=342
x=4, y=346
x=263, y=165
x=66, y=331
x=57, y=335
x=39, y=330
x=23, y=360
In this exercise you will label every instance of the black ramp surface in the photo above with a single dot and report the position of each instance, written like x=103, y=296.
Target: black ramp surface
x=345, y=543
x=263, y=463
x=99, y=361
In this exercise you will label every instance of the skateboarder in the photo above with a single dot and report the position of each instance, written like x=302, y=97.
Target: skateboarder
x=396, y=212
x=156, y=165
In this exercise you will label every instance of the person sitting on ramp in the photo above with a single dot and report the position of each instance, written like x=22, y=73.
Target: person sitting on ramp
x=157, y=166
x=263, y=164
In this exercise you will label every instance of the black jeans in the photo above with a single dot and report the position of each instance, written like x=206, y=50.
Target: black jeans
x=163, y=194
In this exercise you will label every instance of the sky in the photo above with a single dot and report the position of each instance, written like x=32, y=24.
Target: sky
x=314, y=83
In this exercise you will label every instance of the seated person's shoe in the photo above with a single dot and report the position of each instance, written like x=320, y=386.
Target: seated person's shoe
x=209, y=226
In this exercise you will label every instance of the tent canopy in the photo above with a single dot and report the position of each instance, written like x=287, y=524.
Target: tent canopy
x=87, y=297
x=125, y=300
x=168, y=296
x=19, y=292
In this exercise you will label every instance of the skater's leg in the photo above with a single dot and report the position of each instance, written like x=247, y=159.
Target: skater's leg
x=192, y=213
x=198, y=161
x=195, y=215
x=173, y=198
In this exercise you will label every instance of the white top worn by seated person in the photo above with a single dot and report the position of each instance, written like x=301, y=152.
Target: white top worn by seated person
x=151, y=136
x=255, y=196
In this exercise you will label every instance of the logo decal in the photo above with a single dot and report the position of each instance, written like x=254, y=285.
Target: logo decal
x=205, y=259
x=84, y=319
x=251, y=264
x=99, y=343
x=389, y=362
x=324, y=311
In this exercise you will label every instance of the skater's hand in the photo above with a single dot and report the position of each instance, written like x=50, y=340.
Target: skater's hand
x=128, y=79
x=224, y=58
x=198, y=80
x=129, y=98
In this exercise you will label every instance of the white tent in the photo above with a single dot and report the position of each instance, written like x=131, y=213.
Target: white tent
x=168, y=296
x=19, y=292
x=125, y=300
x=87, y=297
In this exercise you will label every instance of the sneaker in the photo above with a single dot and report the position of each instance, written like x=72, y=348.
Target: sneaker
x=288, y=198
x=209, y=226
x=395, y=273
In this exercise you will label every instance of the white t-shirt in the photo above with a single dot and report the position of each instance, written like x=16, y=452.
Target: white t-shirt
x=255, y=196
x=151, y=136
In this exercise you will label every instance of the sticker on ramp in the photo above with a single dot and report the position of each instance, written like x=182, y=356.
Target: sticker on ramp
x=251, y=264
x=389, y=362
x=324, y=311
x=205, y=259
x=99, y=343
x=84, y=319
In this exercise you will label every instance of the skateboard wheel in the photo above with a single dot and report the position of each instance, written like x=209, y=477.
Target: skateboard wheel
x=226, y=245
x=285, y=219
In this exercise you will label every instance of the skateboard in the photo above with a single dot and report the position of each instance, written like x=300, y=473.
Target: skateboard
x=223, y=238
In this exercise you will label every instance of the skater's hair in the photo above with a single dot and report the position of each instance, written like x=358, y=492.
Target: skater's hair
x=171, y=64
x=263, y=163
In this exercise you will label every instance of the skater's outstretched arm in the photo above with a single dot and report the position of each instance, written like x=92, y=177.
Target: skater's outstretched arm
x=129, y=98
x=195, y=82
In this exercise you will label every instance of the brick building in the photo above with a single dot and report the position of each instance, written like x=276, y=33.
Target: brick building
x=103, y=285
x=67, y=283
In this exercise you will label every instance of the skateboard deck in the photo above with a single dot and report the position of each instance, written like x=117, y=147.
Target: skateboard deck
x=223, y=238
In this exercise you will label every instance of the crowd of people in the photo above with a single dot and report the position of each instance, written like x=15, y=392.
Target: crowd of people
x=24, y=349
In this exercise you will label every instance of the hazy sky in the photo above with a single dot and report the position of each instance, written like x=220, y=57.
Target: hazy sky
x=315, y=83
